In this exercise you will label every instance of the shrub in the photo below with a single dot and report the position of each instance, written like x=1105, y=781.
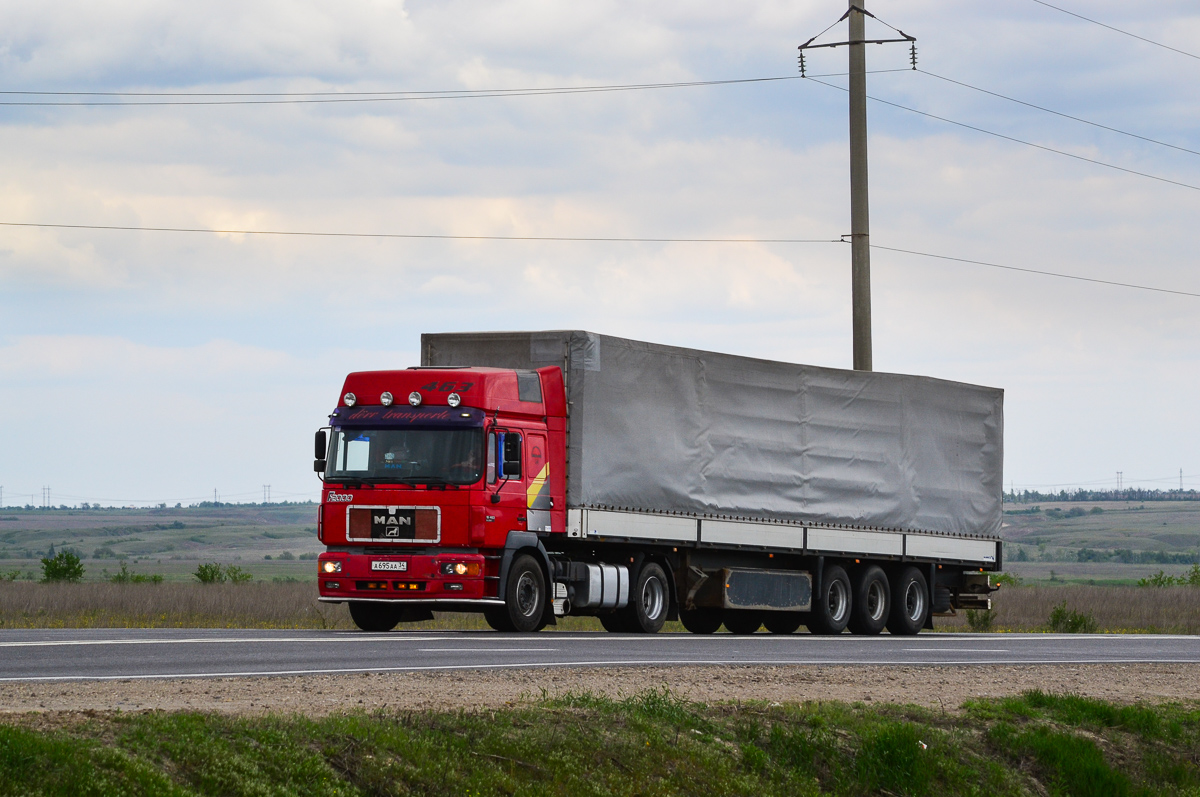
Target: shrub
x=214, y=573
x=307, y=557
x=65, y=566
x=980, y=620
x=104, y=552
x=287, y=555
x=1063, y=621
x=123, y=576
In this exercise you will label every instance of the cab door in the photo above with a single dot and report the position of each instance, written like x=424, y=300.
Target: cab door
x=537, y=487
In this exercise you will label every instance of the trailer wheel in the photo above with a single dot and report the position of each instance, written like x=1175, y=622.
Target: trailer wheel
x=374, y=617
x=783, y=622
x=524, y=598
x=743, y=622
x=872, y=601
x=649, y=601
x=910, y=603
x=831, y=609
x=701, y=621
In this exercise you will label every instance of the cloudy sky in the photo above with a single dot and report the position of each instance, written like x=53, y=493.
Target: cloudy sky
x=153, y=366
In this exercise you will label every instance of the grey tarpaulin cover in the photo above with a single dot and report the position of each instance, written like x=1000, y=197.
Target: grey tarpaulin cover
x=663, y=428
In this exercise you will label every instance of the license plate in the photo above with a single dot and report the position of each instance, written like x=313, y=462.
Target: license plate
x=389, y=565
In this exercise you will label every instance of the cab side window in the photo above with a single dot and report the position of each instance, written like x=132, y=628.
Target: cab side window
x=510, y=460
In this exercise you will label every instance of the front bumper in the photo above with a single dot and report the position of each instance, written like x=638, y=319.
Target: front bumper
x=414, y=579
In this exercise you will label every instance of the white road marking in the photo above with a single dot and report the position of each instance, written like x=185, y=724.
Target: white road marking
x=488, y=650
x=957, y=650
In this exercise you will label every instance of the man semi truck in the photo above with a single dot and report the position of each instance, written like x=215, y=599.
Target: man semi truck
x=532, y=475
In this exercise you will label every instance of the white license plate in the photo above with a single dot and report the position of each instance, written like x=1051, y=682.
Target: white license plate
x=389, y=565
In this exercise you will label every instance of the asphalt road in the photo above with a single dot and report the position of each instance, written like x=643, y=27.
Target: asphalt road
x=97, y=654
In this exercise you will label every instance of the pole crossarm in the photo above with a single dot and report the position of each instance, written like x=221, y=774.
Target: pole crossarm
x=857, y=41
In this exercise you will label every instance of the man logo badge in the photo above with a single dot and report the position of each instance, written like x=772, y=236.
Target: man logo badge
x=394, y=524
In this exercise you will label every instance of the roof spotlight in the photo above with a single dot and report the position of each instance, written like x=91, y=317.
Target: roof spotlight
x=386, y=399
x=349, y=398
x=414, y=398
x=454, y=399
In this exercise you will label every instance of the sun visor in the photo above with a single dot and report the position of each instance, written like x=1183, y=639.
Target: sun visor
x=379, y=417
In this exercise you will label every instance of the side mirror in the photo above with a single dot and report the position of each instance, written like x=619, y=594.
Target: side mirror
x=321, y=446
x=320, y=465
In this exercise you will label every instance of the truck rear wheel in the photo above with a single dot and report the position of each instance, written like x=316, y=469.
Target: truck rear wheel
x=910, y=603
x=743, y=622
x=701, y=621
x=524, y=599
x=374, y=617
x=783, y=622
x=831, y=608
x=872, y=601
x=648, y=602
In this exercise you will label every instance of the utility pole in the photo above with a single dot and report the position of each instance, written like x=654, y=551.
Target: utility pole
x=860, y=222
x=860, y=226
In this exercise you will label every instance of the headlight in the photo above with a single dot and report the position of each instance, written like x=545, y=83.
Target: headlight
x=331, y=566
x=460, y=568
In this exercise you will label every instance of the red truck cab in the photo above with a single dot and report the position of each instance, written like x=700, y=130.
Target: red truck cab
x=428, y=472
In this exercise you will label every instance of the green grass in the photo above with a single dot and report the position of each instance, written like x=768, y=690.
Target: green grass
x=648, y=744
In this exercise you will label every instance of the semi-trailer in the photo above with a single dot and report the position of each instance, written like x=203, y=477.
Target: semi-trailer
x=534, y=475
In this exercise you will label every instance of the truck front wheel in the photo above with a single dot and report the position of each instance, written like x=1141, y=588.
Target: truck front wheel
x=910, y=603
x=831, y=608
x=374, y=617
x=524, y=598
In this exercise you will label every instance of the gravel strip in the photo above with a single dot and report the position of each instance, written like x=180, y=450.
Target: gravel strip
x=942, y=688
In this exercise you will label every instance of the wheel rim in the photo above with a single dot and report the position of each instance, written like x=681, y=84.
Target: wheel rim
x=876, y=601
x=527, y=595
x=653, y=598
x=914, y=601
x=837, y=601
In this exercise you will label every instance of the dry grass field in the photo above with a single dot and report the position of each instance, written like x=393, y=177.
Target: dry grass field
x=293, y=605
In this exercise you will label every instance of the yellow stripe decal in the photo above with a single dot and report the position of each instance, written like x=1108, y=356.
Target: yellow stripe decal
x=538, y=485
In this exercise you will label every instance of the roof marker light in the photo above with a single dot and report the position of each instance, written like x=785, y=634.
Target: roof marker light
x=349, y=398
x=414, y=398
x=386, y=399
x=454, y=399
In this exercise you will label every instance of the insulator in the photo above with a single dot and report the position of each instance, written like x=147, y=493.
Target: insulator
x=913, y=55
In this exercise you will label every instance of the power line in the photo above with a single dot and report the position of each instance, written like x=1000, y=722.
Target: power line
x=1020, y=141
x=309, y=233
x=1117, y=30
x=590, y=239
x=1037, y=271
x=1058, y=113
x=322, y=97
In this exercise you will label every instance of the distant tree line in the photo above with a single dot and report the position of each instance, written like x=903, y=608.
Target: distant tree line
x=1034, y=496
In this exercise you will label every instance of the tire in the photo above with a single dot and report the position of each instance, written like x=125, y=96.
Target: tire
x=497, y=618
x=614, y=622
x=524, y=598
x=872, y=601
x=783, y=622
x=375, y=617
x=649, y=601
x=743, y=622
x=701, y=621
x=832, y=608
x=910, y=603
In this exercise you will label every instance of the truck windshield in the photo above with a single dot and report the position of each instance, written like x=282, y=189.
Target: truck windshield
x=425, y=456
